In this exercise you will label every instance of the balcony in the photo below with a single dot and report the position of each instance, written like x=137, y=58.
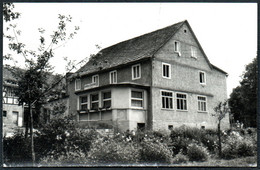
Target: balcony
x=90, y=86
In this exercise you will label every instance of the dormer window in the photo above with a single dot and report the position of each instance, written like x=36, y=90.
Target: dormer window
x=95, y=79
x=77, y=84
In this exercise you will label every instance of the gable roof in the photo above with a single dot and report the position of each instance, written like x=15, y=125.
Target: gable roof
x=135, y=49
x=140, y=47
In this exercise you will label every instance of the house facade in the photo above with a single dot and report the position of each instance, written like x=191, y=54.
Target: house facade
x=12, y=113
x=158, y=81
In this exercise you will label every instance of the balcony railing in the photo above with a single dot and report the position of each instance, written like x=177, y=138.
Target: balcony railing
x=90, y=85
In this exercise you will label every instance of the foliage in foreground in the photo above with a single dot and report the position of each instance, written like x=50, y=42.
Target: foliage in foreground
x=62, y=143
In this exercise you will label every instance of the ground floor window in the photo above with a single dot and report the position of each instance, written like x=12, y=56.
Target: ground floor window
x=94, y=101
x=137, y=98
x=181, y=101
x=167, y=99
x=84, y=103
x=202, y=102
x=4, y=113
x=106, y=99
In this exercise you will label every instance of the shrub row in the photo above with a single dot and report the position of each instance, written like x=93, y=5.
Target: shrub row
x=61, y=142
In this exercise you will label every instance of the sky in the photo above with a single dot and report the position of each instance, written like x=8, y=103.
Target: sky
x=227, y=32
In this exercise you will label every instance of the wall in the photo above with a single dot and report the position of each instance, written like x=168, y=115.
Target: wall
x=122, y=114
x=124, y=74
x=8, y=120
x=185, y=78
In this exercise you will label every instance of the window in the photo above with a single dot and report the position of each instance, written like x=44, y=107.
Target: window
x=77, y=84
x=95, y=79
x=193, y=52
x=4, y=113
x=181, y=101
x=136, y=71
x=166, y=70
x=94, y=101
x=136, y=98
x=202, y=77
x=141, y=126
x=106, y=96
x=167, y=100
x=113, y=77
x=202, y=102
x=176, y=46
x=84, y=103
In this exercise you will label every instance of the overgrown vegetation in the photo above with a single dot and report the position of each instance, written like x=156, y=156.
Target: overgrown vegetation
x=63, y=143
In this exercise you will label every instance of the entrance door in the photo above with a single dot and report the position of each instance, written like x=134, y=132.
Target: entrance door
x=15, y=117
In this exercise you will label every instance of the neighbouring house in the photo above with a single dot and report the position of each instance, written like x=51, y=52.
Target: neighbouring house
x=12, y=113
x=158, y=81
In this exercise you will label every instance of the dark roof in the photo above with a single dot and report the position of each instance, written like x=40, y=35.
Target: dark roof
x=8, y=75
x=130, y=50
x=135, y=49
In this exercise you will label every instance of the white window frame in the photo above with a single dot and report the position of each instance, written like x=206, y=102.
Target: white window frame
x=133, y=76
x=97, y=78
x=177, y=50
x=193, y=52
x=204, y=73
x=139, y=99
x=113, y=77
x=181, y=99
x=76, y=89
x=103, y=100
x=171, y=97
x=166, y=64
x=96, y=101
x=202, y=101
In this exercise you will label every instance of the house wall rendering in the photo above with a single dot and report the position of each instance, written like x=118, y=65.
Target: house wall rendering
x=159, y=80
x=185, y=70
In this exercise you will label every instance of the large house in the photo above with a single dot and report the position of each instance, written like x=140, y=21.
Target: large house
x=159, y=80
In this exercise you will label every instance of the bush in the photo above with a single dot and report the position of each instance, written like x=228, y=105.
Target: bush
x=107, y=150
x=210, y=142
x=180, y=144
x=180, y=158
x=238, y=146
x=70, y=159
x=197, y=152
x=60, y=137
x=155, y=152
x=16, y=150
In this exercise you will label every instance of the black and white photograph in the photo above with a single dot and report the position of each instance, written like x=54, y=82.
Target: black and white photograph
x=160, y=84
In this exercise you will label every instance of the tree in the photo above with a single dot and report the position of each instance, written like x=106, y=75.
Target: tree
x=220, y=112
x=243, y=99
x=32, y=82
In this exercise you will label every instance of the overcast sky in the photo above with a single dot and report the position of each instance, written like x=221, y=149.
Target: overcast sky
x=227, y=32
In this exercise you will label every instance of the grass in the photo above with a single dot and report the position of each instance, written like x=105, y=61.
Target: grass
x=237, y=162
